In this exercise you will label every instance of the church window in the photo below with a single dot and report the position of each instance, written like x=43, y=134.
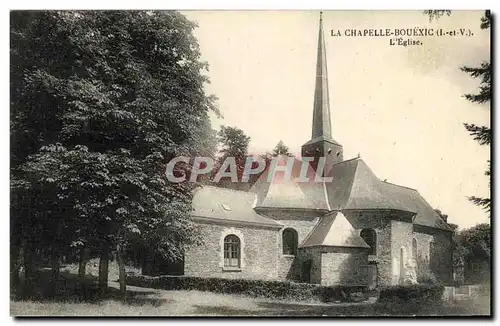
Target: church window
x=414, y=248
x=370, y=237
x=232, y=251
x=290, y=241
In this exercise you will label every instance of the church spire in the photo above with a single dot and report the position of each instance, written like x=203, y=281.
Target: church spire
x=321, y=115
x=321, y=144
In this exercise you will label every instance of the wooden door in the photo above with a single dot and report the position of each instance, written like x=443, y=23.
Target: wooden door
x=306, y=271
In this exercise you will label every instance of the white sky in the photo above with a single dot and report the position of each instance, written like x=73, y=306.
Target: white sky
x=401, y=108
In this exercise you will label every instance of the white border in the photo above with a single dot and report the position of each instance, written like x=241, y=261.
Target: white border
x=184, y=4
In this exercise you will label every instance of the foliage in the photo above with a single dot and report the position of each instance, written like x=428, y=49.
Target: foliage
x=436, y=14
x=476, y=241
x=100, y=101
x=254, y=288
x=425, y=276
x=281, y=149
x=481, y=134
x=416, y=294
x=471, y=242
x=233, y=144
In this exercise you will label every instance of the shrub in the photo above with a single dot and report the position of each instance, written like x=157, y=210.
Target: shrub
x=417, y=294
x=254, y=288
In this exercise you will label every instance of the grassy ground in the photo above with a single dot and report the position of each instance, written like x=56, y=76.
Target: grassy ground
x=146, y=302
x=152, y=302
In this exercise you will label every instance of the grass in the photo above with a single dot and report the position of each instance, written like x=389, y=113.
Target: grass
x=194, y=303
x=71, y=301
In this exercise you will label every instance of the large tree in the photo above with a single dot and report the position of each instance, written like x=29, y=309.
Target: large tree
x=100, y=102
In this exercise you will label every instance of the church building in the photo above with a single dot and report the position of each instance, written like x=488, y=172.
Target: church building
x=355, y=230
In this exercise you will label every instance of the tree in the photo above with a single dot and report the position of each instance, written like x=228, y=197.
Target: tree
x=477, y=240
x=100, y=102
x=482, y=134
x=281, y=149
x=436, y=14
x=472, y=245
x=234, y=144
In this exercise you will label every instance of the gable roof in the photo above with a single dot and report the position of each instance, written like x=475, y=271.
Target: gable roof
x=334, y=230
x=355, y=186
x=228, y=205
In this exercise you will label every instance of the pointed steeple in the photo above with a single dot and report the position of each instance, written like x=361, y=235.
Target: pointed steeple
x=321, y=117
x=322, y=143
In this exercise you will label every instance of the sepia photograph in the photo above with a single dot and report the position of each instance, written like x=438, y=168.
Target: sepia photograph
x=250, y=163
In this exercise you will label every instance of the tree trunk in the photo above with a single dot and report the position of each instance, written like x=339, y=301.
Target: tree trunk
x=55, y=262
x=103, y=269
x=146, y=263
x=121, y=269
x=16, y=253
x=29, y=270
x=82, y=264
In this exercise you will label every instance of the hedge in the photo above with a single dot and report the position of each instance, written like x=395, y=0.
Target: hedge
x=418, y=294
x=254, y=288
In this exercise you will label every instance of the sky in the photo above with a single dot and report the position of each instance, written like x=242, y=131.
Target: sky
x=400, y=108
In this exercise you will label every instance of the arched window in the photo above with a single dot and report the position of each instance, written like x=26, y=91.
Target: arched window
x=370, y=237
x=290, y=242
x=414, y=248
x=232, y=251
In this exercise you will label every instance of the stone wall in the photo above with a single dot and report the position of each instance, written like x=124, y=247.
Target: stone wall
x=439, y=263
x=401, y=247
x=289, y=267
x=380, y=221
x=344, y=266
x=259, y=252
x=313, y=254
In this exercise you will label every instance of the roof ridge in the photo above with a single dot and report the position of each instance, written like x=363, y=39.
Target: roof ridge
x=349, y=193
x=394, y=184
x=312, y=230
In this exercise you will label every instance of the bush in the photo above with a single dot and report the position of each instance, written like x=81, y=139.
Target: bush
x=417, y=294
x=254, y=288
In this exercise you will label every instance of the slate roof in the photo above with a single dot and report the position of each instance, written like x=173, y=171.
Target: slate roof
x=290, y=193
x=355, y=186
x=334, y=230
x=228, y=205
x=413, y=201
